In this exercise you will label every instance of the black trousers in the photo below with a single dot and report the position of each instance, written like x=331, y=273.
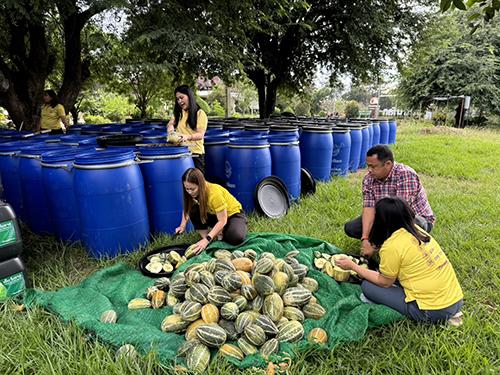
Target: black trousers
x=234, y=231
x=199, y=162
x=354, y=227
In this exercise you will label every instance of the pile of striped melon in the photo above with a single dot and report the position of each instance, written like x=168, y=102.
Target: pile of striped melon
x=242, y=306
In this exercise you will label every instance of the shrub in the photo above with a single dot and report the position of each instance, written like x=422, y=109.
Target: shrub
x=91, y=119
x=352, y=109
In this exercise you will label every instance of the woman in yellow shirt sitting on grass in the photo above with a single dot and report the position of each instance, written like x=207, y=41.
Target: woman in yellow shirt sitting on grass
x=212, y=210
x=415, y=278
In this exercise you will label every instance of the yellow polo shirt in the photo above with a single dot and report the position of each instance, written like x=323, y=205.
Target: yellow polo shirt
x=51, y=116
x=219, y=199
x=196, y=147
x=423, y=270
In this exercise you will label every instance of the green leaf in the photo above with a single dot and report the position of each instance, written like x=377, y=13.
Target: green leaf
x=459, y=4
x=445, y=5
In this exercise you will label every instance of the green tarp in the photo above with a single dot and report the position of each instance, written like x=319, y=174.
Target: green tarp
x=347, y=318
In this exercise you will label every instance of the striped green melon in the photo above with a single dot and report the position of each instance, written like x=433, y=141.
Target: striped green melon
x=293, y=281
x=250, y=254
x=267, y=325
x=246, y=347
x=271, y=346
x=177, y=276
x=191, y=329
x=198, y=358
x=186, y=347
x=293, y=313
x=230, y=329
x=263, y=284
x=296, y=296
x=171, y=300
x=280, y=280
x=219, y=276
x=229, y=311
x=264, y=265
x=318, y=336
x=232, y=282
x=178, y=287
x=273, y=307
x=313, y=311
x=224, y=265
x=191, y=311
x=237, y=254
x=222, y=254
x=310, y=284
x=291, y=261
x=228, y=350
x=288, y=270
x=269, y=255
x=257, y=303
x=211, y=334
x=177, y=308
x=292, y=254
x=219, y=296
x=300, y=270
x=199, y=293
x=241, y=302
x=139, y=303
x=109, y=316
x=280, y=323
x=173, y=323
x=244, y=319
x=192, y=277
x=187, y=295
x=291, y=331
x=279, y=264
x=248, y=291
x=127, y=352
x=255, y=334
x=210, y=266
x=162, y=283
x=207, y=278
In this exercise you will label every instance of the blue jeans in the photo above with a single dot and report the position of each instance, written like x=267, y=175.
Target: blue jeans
x=394, y=297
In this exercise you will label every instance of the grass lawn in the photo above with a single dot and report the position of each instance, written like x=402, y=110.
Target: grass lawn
x=460, y=172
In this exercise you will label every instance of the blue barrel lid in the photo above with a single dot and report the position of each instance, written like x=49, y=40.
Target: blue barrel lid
x=87, y=141
x=317, y=129
x=68, y=154
x=40, y=148
x=104, y=157
x=248, y=141
x=162, y=149
x=13, y=146
x=248, y=134
x=217, y=132
x=283, y=138
x=153, y=133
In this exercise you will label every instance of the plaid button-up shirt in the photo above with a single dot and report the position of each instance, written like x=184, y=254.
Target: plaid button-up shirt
x=402, y=182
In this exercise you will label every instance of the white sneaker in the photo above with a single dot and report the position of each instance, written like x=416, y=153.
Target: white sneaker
x=456, y=320
x=363, y=298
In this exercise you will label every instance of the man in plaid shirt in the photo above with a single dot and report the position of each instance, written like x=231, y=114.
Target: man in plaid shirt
x=387, y=178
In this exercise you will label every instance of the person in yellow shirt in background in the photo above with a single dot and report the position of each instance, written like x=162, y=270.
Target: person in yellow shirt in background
x=53, y=117
x=190, y=121
x=212, y=210
x=415, y=278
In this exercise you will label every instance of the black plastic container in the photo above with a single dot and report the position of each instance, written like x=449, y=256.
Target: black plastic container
x=13, y=279
x=10, y=236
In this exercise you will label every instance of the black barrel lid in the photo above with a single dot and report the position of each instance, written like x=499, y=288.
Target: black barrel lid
x=271, y=197
x=307, y=183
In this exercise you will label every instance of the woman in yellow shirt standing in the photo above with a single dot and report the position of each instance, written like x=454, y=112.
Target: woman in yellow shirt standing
x=212, y=210
x=53, y=117
x=427, y=288
x=190, y=121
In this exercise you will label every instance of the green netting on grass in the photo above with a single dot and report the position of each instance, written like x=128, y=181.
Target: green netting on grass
x=347, y=318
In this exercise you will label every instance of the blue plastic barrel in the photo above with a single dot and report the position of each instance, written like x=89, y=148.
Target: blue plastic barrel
x=57, y=178
x=384, y=132
x=393, y=128
x=215, y=158
x=341, y=151
x=154, y=136
x=248, y=161
x=36, y=206
x=283, y=130
x=162, y=172
x=356, y=143
x=316, y=150
x=376, y=133
x=74, y=139
x=365, y=146
x=285, y=159
x=370, y=130
x=112, y=206
x=11, y=180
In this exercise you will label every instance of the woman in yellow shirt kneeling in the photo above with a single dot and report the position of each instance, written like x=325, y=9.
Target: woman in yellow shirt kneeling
x=212, y=210
x=427, y=288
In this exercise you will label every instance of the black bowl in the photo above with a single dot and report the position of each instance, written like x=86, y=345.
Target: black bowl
x=181, y=249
